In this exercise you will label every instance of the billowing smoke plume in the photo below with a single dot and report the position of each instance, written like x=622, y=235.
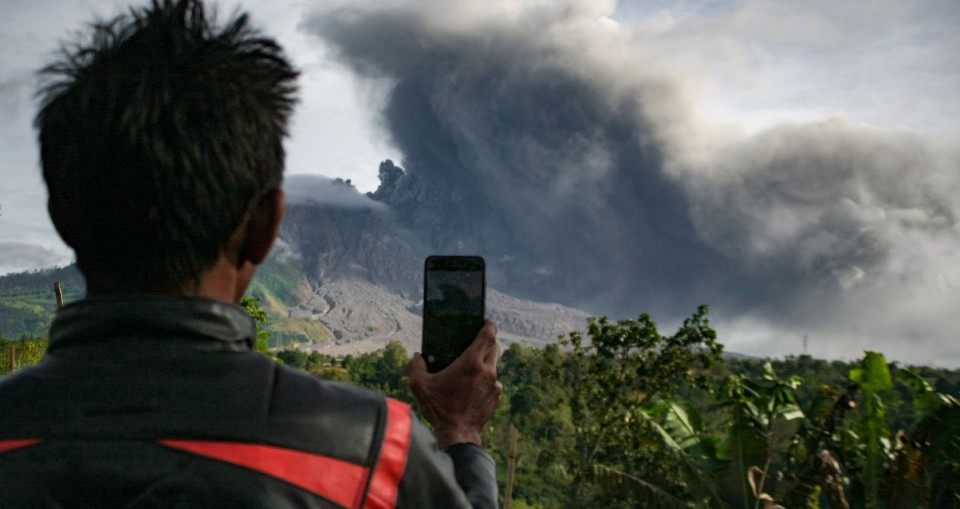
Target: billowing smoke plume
x=534, y=134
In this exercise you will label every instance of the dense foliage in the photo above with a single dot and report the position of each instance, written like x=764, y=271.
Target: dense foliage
x=623, y=416
x=20, y=352
x=252, y=306
x=632, y=418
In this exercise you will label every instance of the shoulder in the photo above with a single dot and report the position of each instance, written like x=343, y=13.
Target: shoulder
x=31, y=391
x=295, y=391
x=332, y=418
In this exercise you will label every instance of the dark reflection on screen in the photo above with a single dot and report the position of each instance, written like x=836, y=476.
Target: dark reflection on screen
x=453, y=314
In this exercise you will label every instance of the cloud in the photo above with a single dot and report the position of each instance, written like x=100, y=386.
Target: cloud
x=285, y=252
x=19, y=256
x=540, y=136
x=846, y=232
x=761, y=62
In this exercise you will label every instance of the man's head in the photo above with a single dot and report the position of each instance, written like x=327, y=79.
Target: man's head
x=158, y=135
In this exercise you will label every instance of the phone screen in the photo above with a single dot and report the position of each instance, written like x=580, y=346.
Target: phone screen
x=453, y=307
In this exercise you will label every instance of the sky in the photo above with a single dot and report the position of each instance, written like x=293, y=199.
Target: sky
x=808, y=150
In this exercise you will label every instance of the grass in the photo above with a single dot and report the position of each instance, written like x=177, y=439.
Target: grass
x=278, y=286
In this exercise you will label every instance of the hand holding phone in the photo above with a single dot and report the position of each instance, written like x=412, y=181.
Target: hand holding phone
x=455, y=379
x=460, y=400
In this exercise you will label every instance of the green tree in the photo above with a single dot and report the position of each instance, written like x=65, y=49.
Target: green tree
x=27, y=350
x=252, y=305
x=315, y=363
x=539, y=409
x=609, y=379
x=383, y=370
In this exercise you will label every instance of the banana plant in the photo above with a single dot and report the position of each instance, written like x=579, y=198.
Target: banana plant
x=763, y=417
x=873, y=378
x=732, y=471
x=839, y=451
x=925, y=468
x=813, y=466
x=680, y=429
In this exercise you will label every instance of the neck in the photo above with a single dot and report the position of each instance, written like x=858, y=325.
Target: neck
x=222, y=281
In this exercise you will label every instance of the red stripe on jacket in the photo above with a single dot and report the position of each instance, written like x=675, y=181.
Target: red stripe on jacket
x=9, y=445
x=339, y=481
x=393, y=457
x=336, y=480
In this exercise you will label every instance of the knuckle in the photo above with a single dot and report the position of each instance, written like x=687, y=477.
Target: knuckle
x=489, y=377
x=489, y=332
x=417, y=384
x=470, y=368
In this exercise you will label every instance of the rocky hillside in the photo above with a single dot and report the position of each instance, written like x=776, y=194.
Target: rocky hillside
x=343, y=262
x=363, y=317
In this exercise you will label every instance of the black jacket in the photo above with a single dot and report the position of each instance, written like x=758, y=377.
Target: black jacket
x=160, y=402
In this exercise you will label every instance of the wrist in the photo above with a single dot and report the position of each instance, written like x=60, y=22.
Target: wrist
x=447, y=436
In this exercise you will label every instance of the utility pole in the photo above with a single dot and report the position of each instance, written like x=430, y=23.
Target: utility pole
x=59, y=291
x=804, y=344
x=511, y=466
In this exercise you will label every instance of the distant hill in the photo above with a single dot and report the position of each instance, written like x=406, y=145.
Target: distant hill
x=28, y=302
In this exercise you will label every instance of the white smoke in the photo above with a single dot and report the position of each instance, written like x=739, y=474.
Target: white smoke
x=336, y=193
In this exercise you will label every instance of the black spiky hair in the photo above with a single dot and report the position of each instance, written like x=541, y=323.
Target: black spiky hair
x=157, y=133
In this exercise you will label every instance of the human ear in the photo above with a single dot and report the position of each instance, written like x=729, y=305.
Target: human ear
x=263, y=227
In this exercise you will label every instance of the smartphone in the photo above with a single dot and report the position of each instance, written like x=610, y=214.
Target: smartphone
x=454, y=291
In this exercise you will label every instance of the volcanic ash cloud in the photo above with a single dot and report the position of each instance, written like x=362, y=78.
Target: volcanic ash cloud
x=539, y=135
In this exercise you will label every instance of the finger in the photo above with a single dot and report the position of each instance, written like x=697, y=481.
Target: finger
x=493, y=355
x=417, y=367
x=485, y=341
x=491, y=348
x=478, y=350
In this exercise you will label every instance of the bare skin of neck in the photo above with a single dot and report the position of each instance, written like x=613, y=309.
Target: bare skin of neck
x=230, y=275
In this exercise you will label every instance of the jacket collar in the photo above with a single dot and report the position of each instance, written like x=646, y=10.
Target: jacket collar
x=153, y=317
